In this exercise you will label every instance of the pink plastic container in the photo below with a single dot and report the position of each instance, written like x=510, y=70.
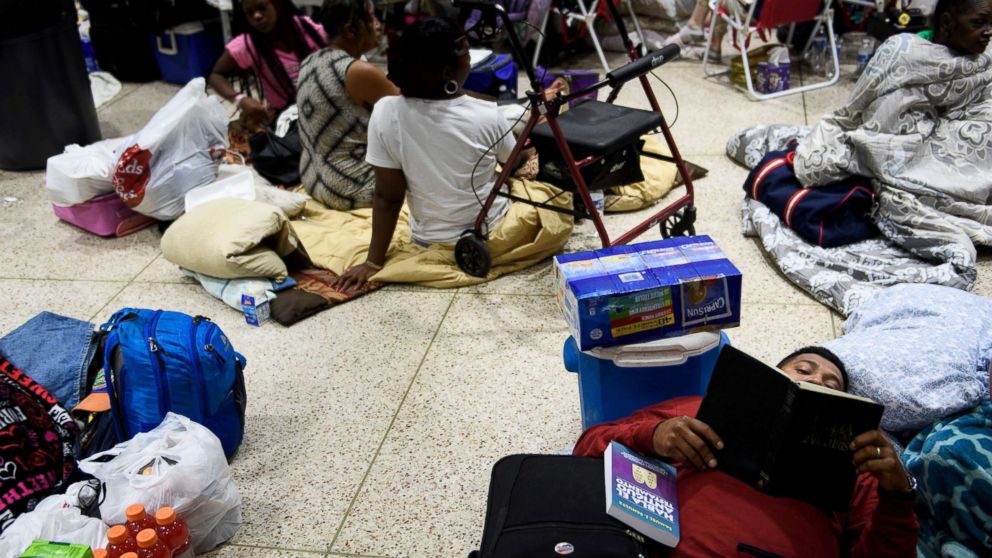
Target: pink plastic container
x=104, y=215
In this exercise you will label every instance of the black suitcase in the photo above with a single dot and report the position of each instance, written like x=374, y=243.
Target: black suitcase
x=547, y=506
x=122, y=39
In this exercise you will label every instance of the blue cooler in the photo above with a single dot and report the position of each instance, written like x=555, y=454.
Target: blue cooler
x=188, y=51
x=616, y=381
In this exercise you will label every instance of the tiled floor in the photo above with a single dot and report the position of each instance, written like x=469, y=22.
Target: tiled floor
x=372, y=427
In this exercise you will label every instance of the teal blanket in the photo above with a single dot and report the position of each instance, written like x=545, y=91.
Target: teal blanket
x=952, y=461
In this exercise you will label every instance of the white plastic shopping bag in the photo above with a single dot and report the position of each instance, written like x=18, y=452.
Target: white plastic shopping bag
x=81, y=173
x=177, y=150
x=51, y=523
x=233, y=181
x=179, y=464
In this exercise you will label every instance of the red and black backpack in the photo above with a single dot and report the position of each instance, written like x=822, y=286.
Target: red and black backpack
x=37, y=437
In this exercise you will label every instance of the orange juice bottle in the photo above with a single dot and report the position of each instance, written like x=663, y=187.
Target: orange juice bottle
x=138, y=520
x=120, y=542
x=174, y=532
x=150, y=547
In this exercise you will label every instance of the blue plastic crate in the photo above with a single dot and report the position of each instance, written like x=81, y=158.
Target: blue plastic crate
x=188, y=51
x=616, y=381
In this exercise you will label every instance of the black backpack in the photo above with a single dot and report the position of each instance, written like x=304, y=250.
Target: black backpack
x=546, y=506
x=276, y=158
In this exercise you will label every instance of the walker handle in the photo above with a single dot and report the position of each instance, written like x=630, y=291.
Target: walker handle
x=644, y=65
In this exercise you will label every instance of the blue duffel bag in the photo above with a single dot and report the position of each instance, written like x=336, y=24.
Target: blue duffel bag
x=495, y=76
x=169, y=361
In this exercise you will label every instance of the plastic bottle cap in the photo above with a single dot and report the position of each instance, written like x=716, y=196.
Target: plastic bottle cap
x=99, y=553
x=117, y=534
x=147, y=538
x=165, y=516
x=135, y=512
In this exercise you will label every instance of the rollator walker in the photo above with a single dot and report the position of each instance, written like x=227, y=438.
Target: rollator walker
x=592, y=139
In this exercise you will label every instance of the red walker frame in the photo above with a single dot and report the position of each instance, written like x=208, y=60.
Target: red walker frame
x=676, y=219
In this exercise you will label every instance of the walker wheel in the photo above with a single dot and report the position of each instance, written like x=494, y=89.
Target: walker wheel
x=472, y=254
x=682, y=223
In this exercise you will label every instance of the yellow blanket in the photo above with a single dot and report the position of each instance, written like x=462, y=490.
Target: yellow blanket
x=659, y=176
x=337, y=240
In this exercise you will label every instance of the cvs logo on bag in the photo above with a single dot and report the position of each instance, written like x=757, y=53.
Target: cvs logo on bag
x=132, y=175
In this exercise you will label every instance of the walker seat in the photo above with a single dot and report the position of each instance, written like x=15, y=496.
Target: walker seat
x=595, y=128
x=605, y=140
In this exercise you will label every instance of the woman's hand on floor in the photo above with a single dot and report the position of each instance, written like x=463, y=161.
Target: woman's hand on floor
x=355, y=278
x=686, y=440
x=873, y=453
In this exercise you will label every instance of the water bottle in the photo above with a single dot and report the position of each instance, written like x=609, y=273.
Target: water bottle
x=819, y=54
x=89, y=56
x=839, y=42
x=598, y=200
x=864, y=54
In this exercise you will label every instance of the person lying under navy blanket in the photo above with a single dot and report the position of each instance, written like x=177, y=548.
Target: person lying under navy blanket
x=722, y=516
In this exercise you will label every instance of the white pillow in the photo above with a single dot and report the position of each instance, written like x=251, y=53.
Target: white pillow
x=921, y=350
x=291, y=203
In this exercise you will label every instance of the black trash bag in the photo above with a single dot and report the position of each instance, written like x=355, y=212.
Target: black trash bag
x=277, y=158
x=43, y=114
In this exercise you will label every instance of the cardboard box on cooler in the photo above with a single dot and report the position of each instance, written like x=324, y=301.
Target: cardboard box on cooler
x=641, y=292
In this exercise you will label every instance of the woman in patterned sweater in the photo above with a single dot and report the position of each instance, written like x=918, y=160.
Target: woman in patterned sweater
x=336, y=93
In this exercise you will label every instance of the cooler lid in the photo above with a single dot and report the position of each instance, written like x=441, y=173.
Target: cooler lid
x=189, y=28
x=672, y=351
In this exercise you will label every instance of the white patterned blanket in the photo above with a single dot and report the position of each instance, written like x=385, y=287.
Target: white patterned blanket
x=919, y=123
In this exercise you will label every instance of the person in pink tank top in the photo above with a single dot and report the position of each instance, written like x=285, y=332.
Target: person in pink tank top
x=276, y=39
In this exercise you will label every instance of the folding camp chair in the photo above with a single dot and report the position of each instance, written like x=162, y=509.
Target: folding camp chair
x=761, y=16
x=586, y=13
x=594, y=139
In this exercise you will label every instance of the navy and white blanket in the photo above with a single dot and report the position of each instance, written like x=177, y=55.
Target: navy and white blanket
x=919, y=123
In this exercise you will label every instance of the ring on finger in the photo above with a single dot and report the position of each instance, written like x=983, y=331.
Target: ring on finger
x=878, y=451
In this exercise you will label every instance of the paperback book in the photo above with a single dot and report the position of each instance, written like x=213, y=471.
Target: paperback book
x=641, y=493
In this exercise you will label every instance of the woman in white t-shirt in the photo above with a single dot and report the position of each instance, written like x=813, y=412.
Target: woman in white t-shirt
x=433, y=146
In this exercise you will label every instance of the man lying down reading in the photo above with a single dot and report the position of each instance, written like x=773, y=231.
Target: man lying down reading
x=722, y=516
